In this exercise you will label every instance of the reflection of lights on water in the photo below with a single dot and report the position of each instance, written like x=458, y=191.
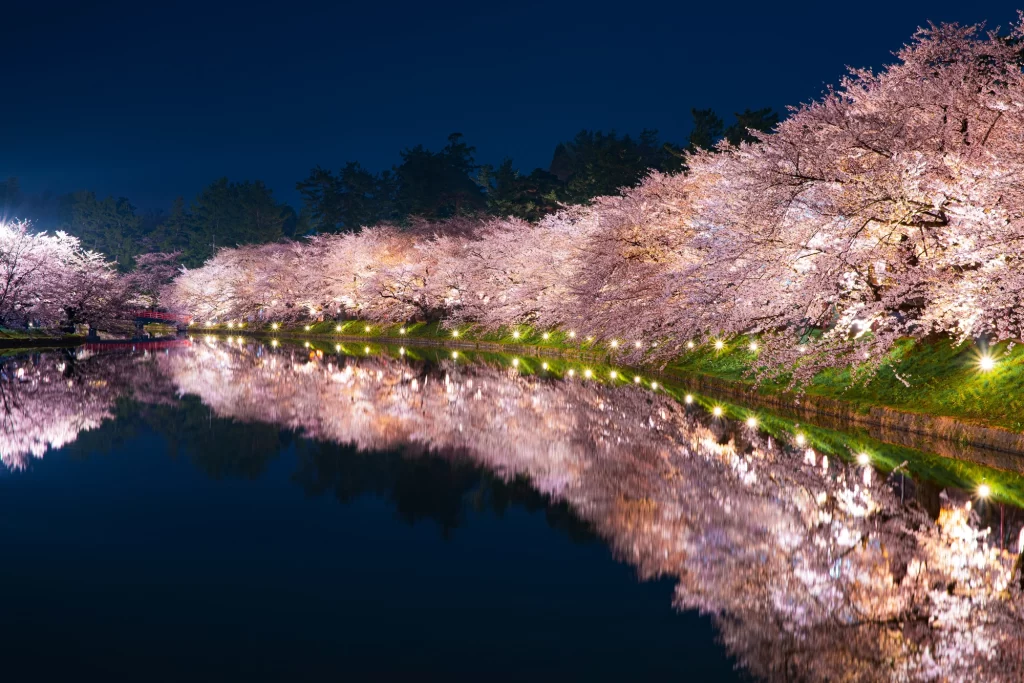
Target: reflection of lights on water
x=337, y=347
x=306, y=344
x=637, y=344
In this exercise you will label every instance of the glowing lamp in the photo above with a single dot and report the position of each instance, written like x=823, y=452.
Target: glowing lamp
x=337, y=328
x=719, y=344
x=306, y=344
x=337, y=347
x=401, y=351
x=717, y=411
x=515, y=362
x=307, y=328
x=984, y=491
x=587, y=373
x=366, y=329
x=689, y=345
x=654, y=385
x=800, y=440
x=636, y=380
x=571, y=372
x=613, y=374
x=546, y=336
x=455, y=333
x=231, y=326
x=753, y=346
x=751, y=421
x=688, y=399
x=515, y=334
x=637, y=344
x=572, y=334
x=544, y=366
x=615, y=343
x=455, y=354
x=366, y=349
x=863, y=459
x=986, y=363
x=401, y=330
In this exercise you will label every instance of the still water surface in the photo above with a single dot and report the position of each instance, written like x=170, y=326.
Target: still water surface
x=234, y=511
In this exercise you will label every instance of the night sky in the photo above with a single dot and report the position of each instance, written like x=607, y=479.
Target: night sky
x=154, y=100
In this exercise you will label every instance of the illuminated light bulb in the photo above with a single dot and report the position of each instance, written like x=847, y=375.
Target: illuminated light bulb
x=209, y=339
x=751, y=421
x=572, y=334
x=802, y=349
x=274, y=343
x=637, y=344
x=366, y=349
x=515, y=362
x=572, y=372
x=455, y=333
x=984, y=491
x=337, y=328
x=515, y=334
x=274, y=326
x=719, y=344
x=654, y=385
x=337, y=347
x=689, y=345
x=401, y=330
x=613, y=374
x=717, y=411
x=986, y=363
x=636, y=380
x=546, y=336
x=455, y=354
x=306, y=345
x=615, y=343
x=753, y=346
x=241, y=324
x=366, y=329
x=231, y=326
x=800, y=440
x=688, y=399
x=401, y=351
x=544, y=366
x=307, y=328
x=587, y=373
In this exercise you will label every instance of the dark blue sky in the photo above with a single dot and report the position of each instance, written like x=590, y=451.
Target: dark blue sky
x=154, y=100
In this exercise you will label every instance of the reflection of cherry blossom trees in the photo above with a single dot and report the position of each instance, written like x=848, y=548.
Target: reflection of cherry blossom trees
x=812, y=569
x=893, y=204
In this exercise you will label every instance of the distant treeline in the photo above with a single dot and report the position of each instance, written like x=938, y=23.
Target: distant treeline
x=432, y=185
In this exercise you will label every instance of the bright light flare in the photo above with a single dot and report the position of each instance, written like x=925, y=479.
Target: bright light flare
x=543, y=366
x=717, y=411
x=307, y=328
x=752, y=422
x=515, y=334
x=615, y=343
x=638, y=344
x=636, y=380
x=588, y=373
x=654, y=385
x=546, y=336
x=984, y=491
x=515, y=362
x=455, y=354
x=572, y=334
x=613, y=374
x=753, y=346
x=455, y=333
x=366, y=349
x=863, y=459
x=401, y=330
x=719, y=345
x=688, y=399
x=366, y=329
x=800, y=439
x=337, y=328
x=689, y=344
x=274, y=326
x=986, y=363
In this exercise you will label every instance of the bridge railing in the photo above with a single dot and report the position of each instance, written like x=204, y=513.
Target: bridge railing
x=160, y=315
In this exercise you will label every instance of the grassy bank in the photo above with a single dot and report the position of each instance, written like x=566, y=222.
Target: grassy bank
x=944, y=379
